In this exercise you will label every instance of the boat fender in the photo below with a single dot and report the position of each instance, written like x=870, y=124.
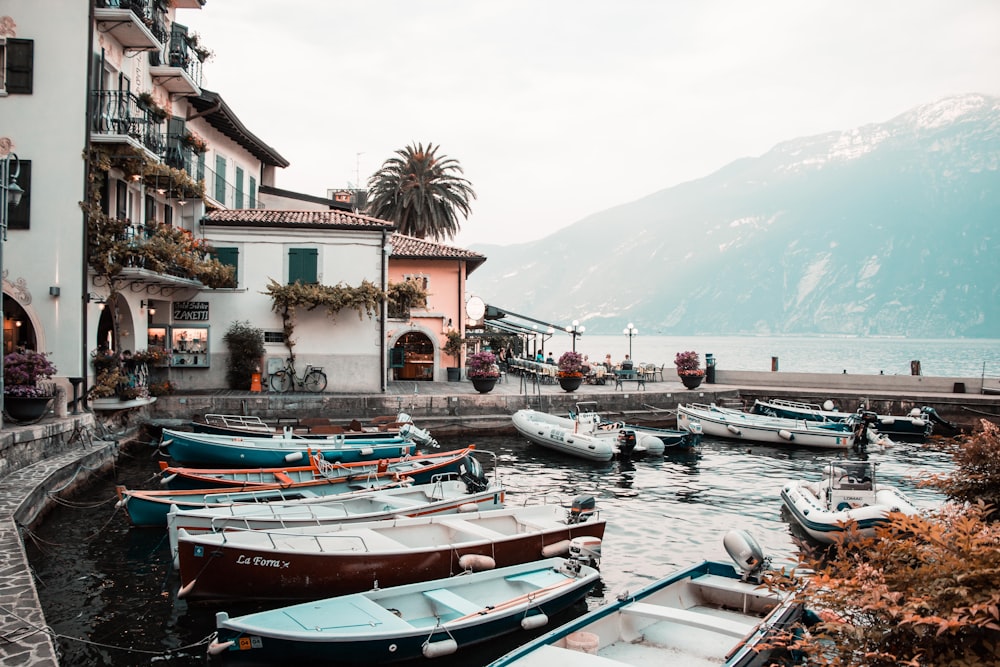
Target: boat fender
x=367, y=451
x=293, y=457
x=786, y=434
x=169, y=478
x=476, y=562
x=185, y=589
x=438, y=649
x=733, y=429
x=556, y=549
x=888, y=420
x=828, y=405
x=465, y=508
x=533, y=622
x=217, y=647
x=919, y=422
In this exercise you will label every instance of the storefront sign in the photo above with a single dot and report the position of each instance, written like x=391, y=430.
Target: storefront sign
x=191, y=311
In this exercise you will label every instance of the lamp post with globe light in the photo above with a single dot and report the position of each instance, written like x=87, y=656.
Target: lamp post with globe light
x=574, y=330
x=10, y=195
x=631, y=332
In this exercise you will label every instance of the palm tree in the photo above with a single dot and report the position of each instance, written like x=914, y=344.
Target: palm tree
x=420, y=192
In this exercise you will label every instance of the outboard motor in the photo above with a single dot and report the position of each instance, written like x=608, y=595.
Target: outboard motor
x=583, y=508
x=626, y=443
x=583, y=551
x=471, y=472
x=747, y=554
x=418, y=435
x=864, y=424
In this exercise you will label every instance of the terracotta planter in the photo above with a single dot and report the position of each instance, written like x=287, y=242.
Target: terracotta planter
x=26, y=408
x=692, y=381
x=484, y=385
x=570, y=383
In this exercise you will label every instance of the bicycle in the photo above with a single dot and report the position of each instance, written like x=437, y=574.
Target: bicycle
x=286, y=379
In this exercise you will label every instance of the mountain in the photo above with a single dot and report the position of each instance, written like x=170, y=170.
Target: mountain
x=888, y=229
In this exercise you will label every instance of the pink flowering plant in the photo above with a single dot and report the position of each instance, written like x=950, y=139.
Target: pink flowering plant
x=571, y=364
x=483, y=365
x=24, y=370
x=687, y=364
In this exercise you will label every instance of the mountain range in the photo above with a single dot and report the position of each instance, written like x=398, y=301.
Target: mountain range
x=888, y=229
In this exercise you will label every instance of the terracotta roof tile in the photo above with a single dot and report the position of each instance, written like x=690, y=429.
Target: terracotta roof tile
x=410, y=247
x=294, y=219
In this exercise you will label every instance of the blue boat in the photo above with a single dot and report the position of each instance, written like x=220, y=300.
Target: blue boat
x=187, y=448
x=707, y=614
x=422, y=620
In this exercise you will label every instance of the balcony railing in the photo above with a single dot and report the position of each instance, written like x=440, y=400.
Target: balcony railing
x=118, y=112
x=146, y=11
x=178, y=53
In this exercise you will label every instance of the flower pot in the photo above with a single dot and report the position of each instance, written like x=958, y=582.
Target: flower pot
x=26, y=408
x=484, y=385
x=692, y=381
x=570, y=383
x=454, y=374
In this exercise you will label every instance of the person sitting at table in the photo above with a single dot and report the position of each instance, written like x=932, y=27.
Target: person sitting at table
x=607, y=362
x=549, y=359
x=627, y=364
x=540, y=356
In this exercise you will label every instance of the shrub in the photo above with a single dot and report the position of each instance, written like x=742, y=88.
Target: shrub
x=24, y=370
x=687, y=363
x=483, y=365
x=246, y=347
x=571, y=363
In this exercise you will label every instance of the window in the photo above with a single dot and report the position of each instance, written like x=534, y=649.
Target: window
x=220, y=179
x=274, y=336
x=253, y=193
x=230, y=257
x=121, y=200
x=17, y=57
x=302, y=265
x=19, y=217
x=150, y=209
x=201, y=167
x=239, y=188
x=168, y=215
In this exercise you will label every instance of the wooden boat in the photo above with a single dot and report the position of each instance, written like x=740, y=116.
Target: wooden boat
x=734, y=424
x=419, y=467
x=426, y=619
x=918, y=424
x=706, y=614
x=310, y=427
x=849, y=497
x=445, y=495
x=186, y=448
x=586, y=435
x=320, y=561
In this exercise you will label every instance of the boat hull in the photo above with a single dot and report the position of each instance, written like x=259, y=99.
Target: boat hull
x=823, y=524
x=894, y=426
x=735, y=425
x=554, y=436
x=187, y=448
x=395, y=624
x=723, y=621
x=350, y=558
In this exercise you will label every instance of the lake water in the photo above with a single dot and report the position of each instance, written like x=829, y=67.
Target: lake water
x=112, y=585
x=961, y=357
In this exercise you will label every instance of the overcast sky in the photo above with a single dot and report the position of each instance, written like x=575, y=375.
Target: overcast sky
x=557, y=109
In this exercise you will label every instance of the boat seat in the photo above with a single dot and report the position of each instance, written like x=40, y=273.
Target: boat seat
x=685, y=617
x=326, y=429
x=314, y=421
x=452, y=601
x=539, y=578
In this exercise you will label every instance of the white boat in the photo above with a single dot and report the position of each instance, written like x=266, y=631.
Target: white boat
x=734, y=424
x=919, y=423
x=442, y=496
x=849, y=493
x=706, y=614
x=427, y=619
x=585, y=434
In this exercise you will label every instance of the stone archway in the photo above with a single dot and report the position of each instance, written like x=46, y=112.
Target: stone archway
x=414, y=351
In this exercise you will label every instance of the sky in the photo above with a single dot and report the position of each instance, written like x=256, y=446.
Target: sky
x=559, y=109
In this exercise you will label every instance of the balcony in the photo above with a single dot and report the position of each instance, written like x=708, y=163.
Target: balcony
x=133, y=23
x=145, y=266
x=117, y=116
x=178, y=67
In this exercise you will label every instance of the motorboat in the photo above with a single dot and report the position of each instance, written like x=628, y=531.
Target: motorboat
x=712, y=613
x=919, y=423
x=734, y=424
x=848, y=498
x=427, y=619
x=312, y=562
x=306, y=427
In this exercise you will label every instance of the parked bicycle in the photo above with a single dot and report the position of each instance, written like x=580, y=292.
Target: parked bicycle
x=286, y=379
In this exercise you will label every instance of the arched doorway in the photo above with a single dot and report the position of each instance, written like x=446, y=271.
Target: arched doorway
x=18, y=331
x=417, y=362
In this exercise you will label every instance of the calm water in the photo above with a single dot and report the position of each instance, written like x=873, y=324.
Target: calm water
x=112, y=585
x=939, y=358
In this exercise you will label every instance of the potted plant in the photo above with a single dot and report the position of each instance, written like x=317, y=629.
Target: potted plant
x=483, y=371
x=25, y=399
x=453, y=348
x=687, y=369
x=570, y=372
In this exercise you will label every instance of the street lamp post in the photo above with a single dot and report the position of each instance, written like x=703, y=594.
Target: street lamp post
x=10, y=194
x=574, y=330
x=631, y=332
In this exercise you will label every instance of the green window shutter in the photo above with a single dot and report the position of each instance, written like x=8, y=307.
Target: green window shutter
x=253, y=192
x=20, y=65
x=229, y=257
x=302, y=265
x=239, y=188
x=201, y=168
x=220, y=179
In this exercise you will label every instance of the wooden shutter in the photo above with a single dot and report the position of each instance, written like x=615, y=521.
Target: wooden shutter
x=239, y=188
x=220, y=179
x=19, y=217
x=229, y=257
x=253, y=193
x=302, y=265
x=20, y=64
